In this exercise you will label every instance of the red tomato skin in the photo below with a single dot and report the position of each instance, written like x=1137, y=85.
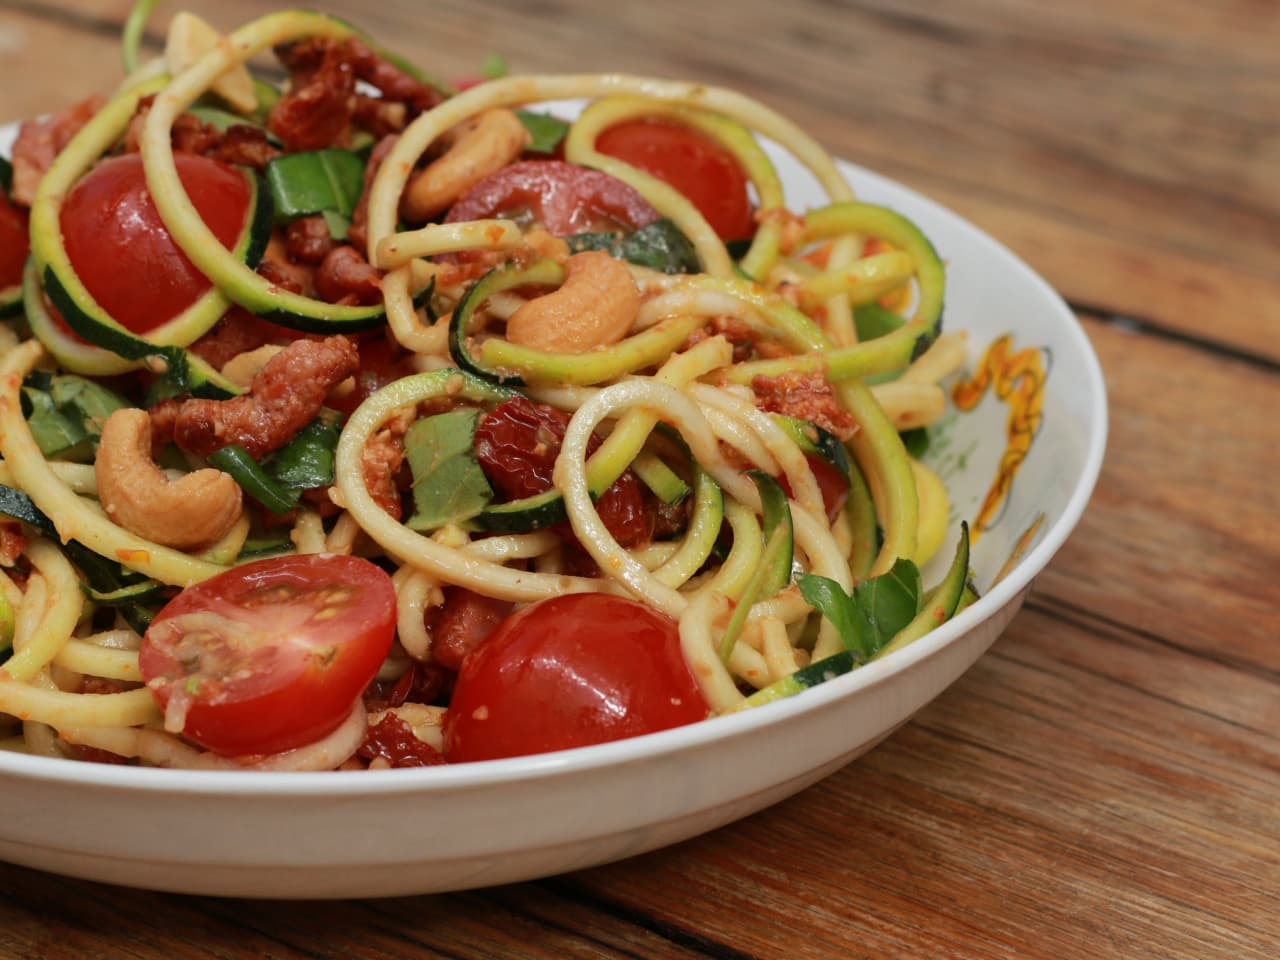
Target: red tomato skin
x=564, y=197
x=705, y=172
x=570, y=671
x=14, y=243
x=517, y=443
x=119, y=246
x=301, y=684
x=832, y=484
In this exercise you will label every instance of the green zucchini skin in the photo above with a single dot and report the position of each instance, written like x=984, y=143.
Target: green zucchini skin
x=523, y=516
x=11, y=300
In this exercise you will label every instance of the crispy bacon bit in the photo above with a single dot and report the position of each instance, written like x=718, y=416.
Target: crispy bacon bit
x=283, y=398
x=307, y=240
x=241, y=143
x=239, y=331
x=381, y=459
x=379, y=116
x=357, y=232
x=807, y=396
x=463, y=623
x=393, y=740
x=346, y=277
x=291, y=277
x=322, y=103
x=40, y=141
x=12, y=542
x=246, y=145
x=317, y=110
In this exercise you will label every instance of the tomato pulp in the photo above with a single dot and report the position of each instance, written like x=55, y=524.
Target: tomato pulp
x=270, y=655
x=705, y=172
x=567, y=672
x=563, y=197
x=14, y=245
x=120, y=248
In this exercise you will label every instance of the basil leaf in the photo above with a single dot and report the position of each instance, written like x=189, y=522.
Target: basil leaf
x=338, y=225
x=547, y=131
x=494, y=66
x=306, y=461
x=659, y=246
x=873, y=614
x=449, y=485
x=253, y=479
x=57, y=434
x=92, y=402
x=314, y=181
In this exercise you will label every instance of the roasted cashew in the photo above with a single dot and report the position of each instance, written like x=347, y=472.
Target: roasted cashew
x=477, y=147
x=594, y=307
x=193, y=511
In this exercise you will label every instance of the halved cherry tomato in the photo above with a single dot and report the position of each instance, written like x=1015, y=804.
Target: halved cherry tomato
x=120, y=248
x=705, y=172
x=832, y=484
x=270, y=655
x=569, y=672
x=517, y=443
x=564, y=197
x=14, y=245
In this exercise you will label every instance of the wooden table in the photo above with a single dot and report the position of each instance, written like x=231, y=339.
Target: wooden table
x=1106, y=781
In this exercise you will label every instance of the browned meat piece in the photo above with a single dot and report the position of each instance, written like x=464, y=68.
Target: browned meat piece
x=245, y=145
x=307, y=240
x=381, y=460
x=237, y=332
x=379, y=116
x=283, y=398
x=291, y=277
x=346, y=277
x=463, y=623
x=40, y=141
x=316, y=112
x=807, y=396
x=392, y=82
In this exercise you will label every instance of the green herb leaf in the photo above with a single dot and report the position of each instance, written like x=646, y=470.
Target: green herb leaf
x=916, y=441
x=338, y=225
x=57, y=434
x=448, y=484
x=659, y=246
x=307, y=460
x=547, y=131
x=254, y=480
x=877, y=609
x=494, y=66
x=314, y=181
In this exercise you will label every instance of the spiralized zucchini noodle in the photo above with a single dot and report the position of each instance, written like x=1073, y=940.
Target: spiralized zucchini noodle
x=753, y=392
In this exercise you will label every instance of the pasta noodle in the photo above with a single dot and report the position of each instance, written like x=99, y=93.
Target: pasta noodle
x=728, y=384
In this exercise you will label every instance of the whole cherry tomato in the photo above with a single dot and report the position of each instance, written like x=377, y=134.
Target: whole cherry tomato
x=120, y=248
x=13, y=242
x=270, y=655
x=564, y=197
x=705, y=172
x=569, y=672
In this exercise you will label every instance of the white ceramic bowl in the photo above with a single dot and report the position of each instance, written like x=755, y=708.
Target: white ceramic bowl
x=417, y=831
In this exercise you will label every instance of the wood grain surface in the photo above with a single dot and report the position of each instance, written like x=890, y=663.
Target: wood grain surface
x=1106, y=781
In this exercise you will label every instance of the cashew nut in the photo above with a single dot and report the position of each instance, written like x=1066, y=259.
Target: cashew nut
x=193, y=511
x=477, y=147
x=594, y=307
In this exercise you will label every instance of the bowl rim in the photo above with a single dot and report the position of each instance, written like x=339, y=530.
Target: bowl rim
x=449, y=779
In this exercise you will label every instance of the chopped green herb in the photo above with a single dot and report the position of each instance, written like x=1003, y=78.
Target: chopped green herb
x=494, y=66
x=449, y=485
x=873, y=614
x=314, y=181
x=547, y=131
x=659, y=246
